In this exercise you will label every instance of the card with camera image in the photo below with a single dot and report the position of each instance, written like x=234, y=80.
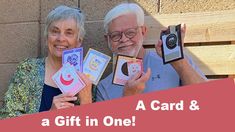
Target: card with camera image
x=125, y=68
x=172, y=49
x=68, y=80
x=74, y=57
x=94, y=65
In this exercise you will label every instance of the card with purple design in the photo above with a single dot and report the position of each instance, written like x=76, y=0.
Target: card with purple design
x=74, y=57
x=94, y=65
x=68, y=80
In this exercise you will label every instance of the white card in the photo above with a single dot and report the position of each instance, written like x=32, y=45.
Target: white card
x=74, y=57
x=94, y=65
x=135, y=66
x=121, y=73
x=68, y=80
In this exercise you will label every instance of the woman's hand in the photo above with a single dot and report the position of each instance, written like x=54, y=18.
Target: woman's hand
x=62, y=101
x=85, y=95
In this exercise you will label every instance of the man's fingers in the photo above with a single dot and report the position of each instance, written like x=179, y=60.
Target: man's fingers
x=136, y=76
x=137, y=86
x=145, y=77
x=183, y=28
x=164, y=29
x=158, y=47
x=183, y=32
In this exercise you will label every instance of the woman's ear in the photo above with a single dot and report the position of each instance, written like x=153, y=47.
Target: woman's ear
x=80, y=42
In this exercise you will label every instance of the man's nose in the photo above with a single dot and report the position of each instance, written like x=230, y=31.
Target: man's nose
x=124, y=38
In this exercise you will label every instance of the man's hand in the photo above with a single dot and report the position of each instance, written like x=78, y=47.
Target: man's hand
x=187, y=74
x=158, y=46
x=136, y=84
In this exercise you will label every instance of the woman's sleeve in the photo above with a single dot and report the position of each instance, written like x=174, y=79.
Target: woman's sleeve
x=15, y=100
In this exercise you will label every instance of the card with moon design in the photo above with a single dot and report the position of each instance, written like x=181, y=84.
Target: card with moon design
x=94, y=65
x=68, y=80
x=74, y=57
x=125, y=68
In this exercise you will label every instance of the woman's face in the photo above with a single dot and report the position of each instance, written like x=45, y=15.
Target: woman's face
x=62, y=35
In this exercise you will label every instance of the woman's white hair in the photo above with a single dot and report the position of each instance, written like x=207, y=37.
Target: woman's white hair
x=63, y=12
x=123, y=9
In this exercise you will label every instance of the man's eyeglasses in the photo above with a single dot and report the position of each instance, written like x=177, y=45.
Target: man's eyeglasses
x=117, y=35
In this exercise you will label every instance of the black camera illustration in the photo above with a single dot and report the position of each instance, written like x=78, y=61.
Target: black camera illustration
x=171, y=41
x=172, y=44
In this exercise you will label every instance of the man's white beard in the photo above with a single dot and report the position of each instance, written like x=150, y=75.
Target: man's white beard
x=132, y=53
x=140, y=44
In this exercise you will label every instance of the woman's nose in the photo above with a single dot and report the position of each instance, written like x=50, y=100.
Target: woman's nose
x=61, y=37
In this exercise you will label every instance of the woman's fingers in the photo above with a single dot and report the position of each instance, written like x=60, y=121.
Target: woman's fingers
x=62, y=101
x=84, y=78
x=63, y=105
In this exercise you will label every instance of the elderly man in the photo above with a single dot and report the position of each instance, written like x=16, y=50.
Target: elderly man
x=125, y=32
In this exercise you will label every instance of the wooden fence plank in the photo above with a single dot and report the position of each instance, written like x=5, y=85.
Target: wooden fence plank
x=201, y=26
x=213, y=60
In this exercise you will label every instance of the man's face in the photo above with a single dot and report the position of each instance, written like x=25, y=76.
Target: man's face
x=125, y=36
x=62, y=35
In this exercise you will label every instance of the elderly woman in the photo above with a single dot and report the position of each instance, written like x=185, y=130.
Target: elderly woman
x=32, y=89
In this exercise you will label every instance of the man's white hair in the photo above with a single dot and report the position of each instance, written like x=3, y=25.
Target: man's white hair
x=123, y=9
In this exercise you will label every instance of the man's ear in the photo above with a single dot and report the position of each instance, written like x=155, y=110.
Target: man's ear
x=106, y=37
x=144, y=30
